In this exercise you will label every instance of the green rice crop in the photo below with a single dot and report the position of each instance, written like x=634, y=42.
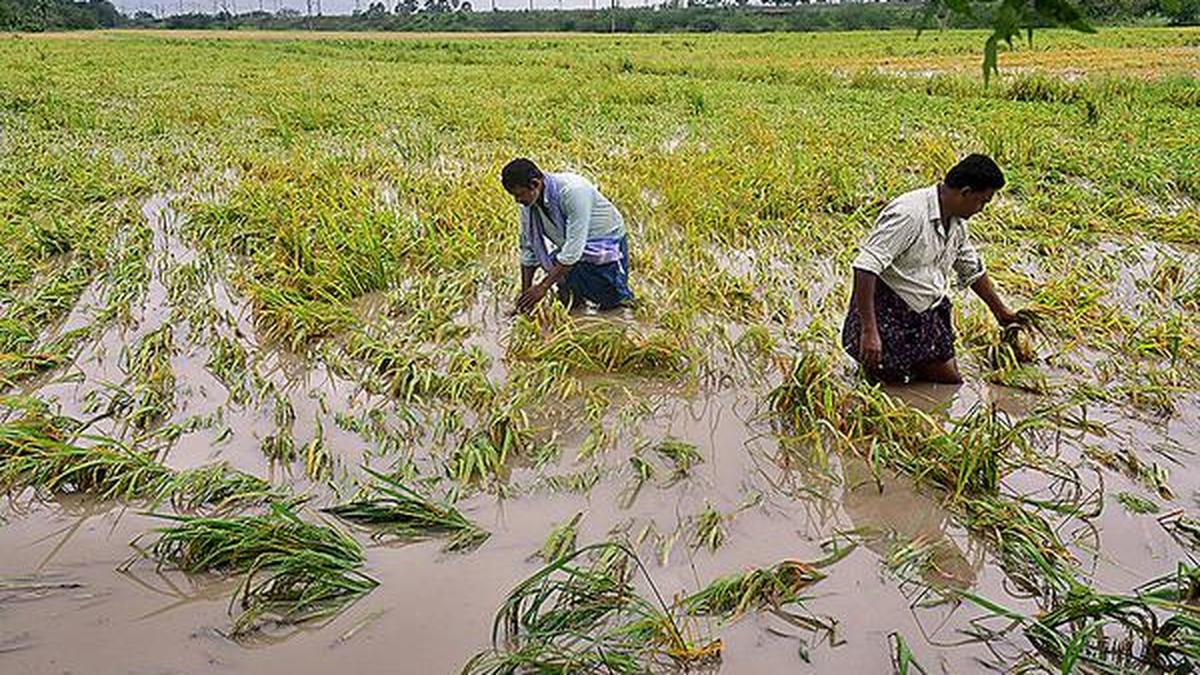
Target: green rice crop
x=292, y=570
x=347, y=221
x=709, y=529
x=767, y=587
x=149, y=367
x=51, y=456
x=393, y=509
x=580, y=613
x=1135, y=504
x=1156, y=627
x=560, y=543
x=682, y=455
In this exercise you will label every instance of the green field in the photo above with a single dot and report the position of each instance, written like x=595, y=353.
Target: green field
x=264, y=405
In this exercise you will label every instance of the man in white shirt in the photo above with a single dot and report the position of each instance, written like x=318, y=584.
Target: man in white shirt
x=591, y=261
x=898, y=326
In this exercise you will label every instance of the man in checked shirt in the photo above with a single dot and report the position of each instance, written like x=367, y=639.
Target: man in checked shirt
x=898, y=325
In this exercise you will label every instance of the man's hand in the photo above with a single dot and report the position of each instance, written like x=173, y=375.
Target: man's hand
x=530, y=298
x=1007, y=317
x=871, y=348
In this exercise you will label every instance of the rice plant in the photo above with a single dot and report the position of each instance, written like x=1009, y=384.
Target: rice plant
x=766, y=587
x=682, y=455
x=581, y=613
x=279, y=447
x=392, y=509
x=1136, y=505
x=50, y=456
x=483, y=456
x=560, y=543
x=149, y=367
x=292, y=570
x=1155, y=628
x=598, y=346
x=708, y=529
x=1015, y=347
x=318, y=463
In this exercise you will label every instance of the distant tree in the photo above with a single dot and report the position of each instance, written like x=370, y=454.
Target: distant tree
x=407, y=7
x=376, y=10
x=1182, y=12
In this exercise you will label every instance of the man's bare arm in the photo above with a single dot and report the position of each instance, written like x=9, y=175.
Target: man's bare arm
x=870, y=344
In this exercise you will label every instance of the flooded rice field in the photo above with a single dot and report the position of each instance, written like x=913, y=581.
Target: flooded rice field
x=266, y=409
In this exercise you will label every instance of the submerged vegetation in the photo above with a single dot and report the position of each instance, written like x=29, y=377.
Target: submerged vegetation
x=293, y=256
x=393, y=509
x=52, y=456
x=581, y=613
x=292, y=570
x=737, y=594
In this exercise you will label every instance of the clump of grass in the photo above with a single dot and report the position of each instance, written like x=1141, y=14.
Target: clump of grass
x=149, y=367
x=230, y=364
x=484, y=455
x=1015, y=346
x=18, y=366
x=38, y=454
x=579, y=482
x=47, y=454
x=560, y=543
x=1136, y=505
x=642, y=469
x=1156, y=628
x=406, y=374
x=911, y=558
x=279, y=446
x=286, y=316
x=318, y=463
x=1030, y=552
x=811, y=399
x=734, y=595
x=581, y=614
x=682, y=455
x=293, y=570
x=598, y=346
x=964, y=460
x=217, y=486
x=1025, y=378
x=709, y=529
x=396, y=510
x=1126, y=460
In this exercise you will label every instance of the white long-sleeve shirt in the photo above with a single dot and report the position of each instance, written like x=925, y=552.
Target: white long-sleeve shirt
x=589, y=215
x=915, y=255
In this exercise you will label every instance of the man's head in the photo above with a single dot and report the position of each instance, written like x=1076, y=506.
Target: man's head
x=970, y=185
x=523, y=180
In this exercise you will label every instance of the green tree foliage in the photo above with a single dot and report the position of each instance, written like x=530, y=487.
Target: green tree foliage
x=1011, y=18
x=42, y=15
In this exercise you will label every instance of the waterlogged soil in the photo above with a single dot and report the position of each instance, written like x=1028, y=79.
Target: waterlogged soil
x=77, y=594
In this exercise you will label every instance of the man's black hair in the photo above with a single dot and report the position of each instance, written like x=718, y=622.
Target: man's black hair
x=977, y=172
x=519, y=173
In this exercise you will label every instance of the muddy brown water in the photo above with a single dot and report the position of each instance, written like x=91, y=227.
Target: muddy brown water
x=69, y=605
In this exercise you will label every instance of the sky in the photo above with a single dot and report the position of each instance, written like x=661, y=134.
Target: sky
x=339, y=6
